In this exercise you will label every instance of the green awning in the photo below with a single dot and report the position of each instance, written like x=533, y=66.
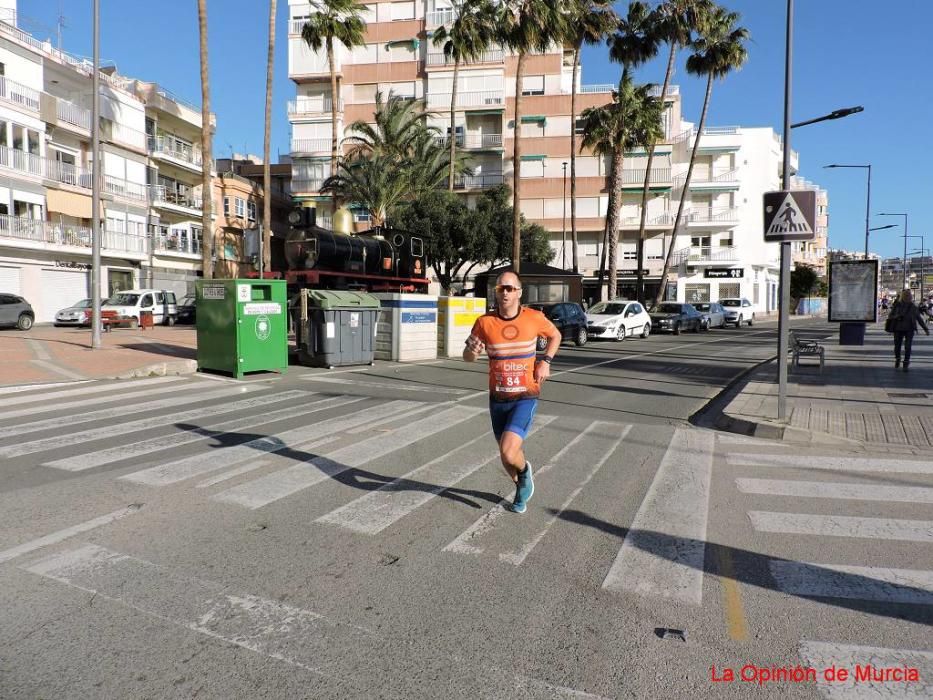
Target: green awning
x=480, y=112
x=662, y=188
x=534, y=119
x=534, y=157
x=718, y=149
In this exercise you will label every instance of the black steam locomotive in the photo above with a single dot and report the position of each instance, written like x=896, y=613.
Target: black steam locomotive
x=378, y=260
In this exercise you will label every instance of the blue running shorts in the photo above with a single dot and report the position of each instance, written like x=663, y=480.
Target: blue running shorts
x=512, y=416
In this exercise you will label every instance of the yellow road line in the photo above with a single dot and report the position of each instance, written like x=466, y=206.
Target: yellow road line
x=731, y=598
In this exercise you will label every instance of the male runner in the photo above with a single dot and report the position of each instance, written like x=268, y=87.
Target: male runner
x=509, y=334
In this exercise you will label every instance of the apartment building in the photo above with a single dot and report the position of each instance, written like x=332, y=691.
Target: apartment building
x=721, y=237
x=238, y=201
x=149, y=175
x=813, y=253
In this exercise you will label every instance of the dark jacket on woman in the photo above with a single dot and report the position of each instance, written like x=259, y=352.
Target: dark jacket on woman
x=905, y=317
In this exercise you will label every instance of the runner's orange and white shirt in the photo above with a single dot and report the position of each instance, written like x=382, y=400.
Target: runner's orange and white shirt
x=510, y=345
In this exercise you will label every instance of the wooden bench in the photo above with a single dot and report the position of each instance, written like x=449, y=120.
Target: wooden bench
x=802, y=347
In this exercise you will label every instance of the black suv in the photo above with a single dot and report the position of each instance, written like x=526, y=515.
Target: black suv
x=569, y=318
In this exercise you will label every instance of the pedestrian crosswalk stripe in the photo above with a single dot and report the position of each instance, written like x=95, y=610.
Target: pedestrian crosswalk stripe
x=134, y=450
x=825, y=489
x=383, y=385
x=204, y=463
x=873, y=583
x=393, y=418
x=101, y=414
x=109, y=431
x=850, y=464
x=82, y=390
x=467, y=542
x=258, y=464
x=519, y=555
x=664, y=550
x=842, y=526
x=64, y=534
x=373, y=512
x=265, y=490
x=823, y=655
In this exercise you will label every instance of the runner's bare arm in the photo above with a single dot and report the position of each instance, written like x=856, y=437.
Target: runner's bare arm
x=543, y=369
x=474, y=348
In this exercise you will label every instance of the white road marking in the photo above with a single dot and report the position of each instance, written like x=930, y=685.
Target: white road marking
x=855, y=582
x=373, y=512
x=382, y=385
x=825, y=489
x=747, y=440
x=822, y=655
x=466, y=541
x=849, y=464
x=58, y=369
x=664, y=550
x=206, y=462
x=395, y=418
x=101, y=414
x=135, y=450
x=261, y=492
x=82, y=391
x=251, y=466
x=61, y=535
x=518, y=556
x=842, y=526
x=109, y=431
x=38, y=348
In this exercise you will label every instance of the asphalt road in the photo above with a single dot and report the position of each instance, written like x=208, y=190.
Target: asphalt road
x=342, y=534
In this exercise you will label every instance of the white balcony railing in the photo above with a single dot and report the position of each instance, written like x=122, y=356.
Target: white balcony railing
x=161, y=194
x=122, y=134
x=437, y=58
x=68, y=174
x=439, y=17
x=167, y=146
x=307, y=184
x=637, y=176
x=474, y=140
x=71, y=113
x=22, y=161
x=478, y=181
x=23, y=229
x=717, y=176
x=589, y=89
x=15, y=93
x=705, y=254
x=295, y=26
x=123, y=188
x=711, y=215
x=479, y=98
x=311, y=145
x=313, y=105
x=176, y=240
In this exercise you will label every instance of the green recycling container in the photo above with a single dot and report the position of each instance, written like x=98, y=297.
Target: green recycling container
x=242, y=325
x=340, y=328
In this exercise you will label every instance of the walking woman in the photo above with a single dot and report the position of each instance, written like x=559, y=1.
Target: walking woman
x=905, y=315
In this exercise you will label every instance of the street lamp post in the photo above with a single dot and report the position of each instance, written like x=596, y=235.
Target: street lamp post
x=97, y=175
x=905, y=242
x=867, y=198
x=563, y=235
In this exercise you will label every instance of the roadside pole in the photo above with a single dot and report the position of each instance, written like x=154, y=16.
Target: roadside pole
x=784, y=280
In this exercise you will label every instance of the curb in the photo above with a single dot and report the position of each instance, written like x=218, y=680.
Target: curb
x=161, y=369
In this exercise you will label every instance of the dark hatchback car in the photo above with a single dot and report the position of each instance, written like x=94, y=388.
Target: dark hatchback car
x=569, y=318
x=186, y=309
x=675, y=317
x=16, y=311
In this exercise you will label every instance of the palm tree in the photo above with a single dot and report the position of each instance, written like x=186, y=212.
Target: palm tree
x=524, y=26
x=719, y=50
x=588, y=23
x=398, y=158
x=267, y=137
x=207, y=227
x=333, y=21
x=632, y=119
x=470, y=34
x=676, y=21
x=635, y=42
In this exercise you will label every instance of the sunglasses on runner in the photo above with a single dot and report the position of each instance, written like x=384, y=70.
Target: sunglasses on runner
x=501, y=288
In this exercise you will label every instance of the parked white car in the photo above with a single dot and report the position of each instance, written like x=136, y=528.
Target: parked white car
x=738, y=311
x=131, y=303
x=617, y=320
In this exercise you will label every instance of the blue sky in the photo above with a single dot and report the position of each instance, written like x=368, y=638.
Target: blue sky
x=847, y=52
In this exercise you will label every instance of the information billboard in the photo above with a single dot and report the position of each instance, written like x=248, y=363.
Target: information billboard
x=853, y=290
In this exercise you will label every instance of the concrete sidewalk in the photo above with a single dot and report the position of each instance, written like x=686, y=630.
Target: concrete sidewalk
x=859, y=399
x=46, y=354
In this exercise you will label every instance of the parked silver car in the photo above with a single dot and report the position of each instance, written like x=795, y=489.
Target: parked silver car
x=16, y=311
x=713, y=313
x=78, y=314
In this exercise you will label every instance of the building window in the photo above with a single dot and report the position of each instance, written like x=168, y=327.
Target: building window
x=226, y=206
x=578, y=127
x=532, y=168
x=230, y=251
x=240, y=208
x=364, y=93
x=697, y=293
x=402, y=11
x=251, y=210
x=533, y=85
x=729, y=291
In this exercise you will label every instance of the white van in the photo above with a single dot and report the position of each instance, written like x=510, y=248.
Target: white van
x=130, y=303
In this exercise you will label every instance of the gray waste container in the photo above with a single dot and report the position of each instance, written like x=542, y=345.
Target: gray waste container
x=333, y=329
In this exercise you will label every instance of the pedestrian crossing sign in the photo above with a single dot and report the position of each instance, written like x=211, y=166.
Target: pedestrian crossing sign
x=790, y=216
